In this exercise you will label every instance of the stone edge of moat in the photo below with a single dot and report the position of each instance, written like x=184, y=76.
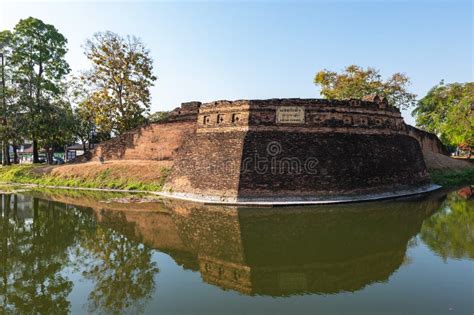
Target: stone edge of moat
x=286, y=201
x=295, y=201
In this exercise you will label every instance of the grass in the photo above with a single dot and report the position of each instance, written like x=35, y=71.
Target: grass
x=33, y=174
x=453, y=178
x=38, y=174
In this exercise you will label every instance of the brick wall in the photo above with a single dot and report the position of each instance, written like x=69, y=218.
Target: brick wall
x=302, y=164
x=150, y=142
x=208, y=164
x=428, y=141
x=244, y=164
x=242, y=150
x=157, y=141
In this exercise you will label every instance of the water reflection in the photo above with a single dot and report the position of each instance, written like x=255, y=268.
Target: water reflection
x=41, y=238
x=282, y=252
x=450, y=232
x=120, y=267
x=275, y=252
x=36, y=235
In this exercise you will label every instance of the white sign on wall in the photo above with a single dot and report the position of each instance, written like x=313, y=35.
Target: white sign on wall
x=290, y=115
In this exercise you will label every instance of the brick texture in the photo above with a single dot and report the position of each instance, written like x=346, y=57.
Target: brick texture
x=240, y=150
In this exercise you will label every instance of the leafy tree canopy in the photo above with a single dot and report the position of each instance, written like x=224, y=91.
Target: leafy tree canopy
x=38, y=67
x=447, y=110
x=38, y=54
x=120, y=79
x=357, y=82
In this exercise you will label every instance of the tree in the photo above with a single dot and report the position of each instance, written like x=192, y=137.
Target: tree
x=356, y=82
x=57, y=127
x=83, y=118
x=121, y=76
x=39, y=66
x=447, y=111
x=158, y=117
x=5, y=50
x=449, y=232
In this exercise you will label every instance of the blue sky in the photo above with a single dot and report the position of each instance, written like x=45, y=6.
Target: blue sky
x=207, y=51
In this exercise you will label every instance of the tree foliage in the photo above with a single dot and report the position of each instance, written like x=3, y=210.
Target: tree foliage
x=6, y=93
x=38, y=65
x=450, y=232
x=447, y=110
x=39, y=103
x=357, y=82
x=120, y=78
x=158, y=117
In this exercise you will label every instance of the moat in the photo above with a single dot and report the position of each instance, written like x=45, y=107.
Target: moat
x=67, y=252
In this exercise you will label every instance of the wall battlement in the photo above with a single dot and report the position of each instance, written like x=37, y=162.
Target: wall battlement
x=307, y=115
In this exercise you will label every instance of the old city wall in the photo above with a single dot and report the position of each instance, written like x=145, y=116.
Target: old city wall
x=158, y=141
x=264, y=148
x=150, y=142
x=297, y=147
x=303, y=164
x=428, y=141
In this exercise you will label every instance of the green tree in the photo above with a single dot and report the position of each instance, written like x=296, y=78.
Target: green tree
x=357, y=82
x=121, y=77
x=450, y=231
x=5, y=93
x=39, y=65
x=57, y=127
x=447, y=111
x=158, y=117
x=13, y=123
x=84, y=126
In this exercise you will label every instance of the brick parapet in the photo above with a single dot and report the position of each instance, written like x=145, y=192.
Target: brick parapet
x=319, y=114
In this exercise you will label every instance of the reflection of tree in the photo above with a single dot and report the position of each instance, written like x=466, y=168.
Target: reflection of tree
x=41, y=238
x=34, y=252
x=121, y=268
x=450, y=232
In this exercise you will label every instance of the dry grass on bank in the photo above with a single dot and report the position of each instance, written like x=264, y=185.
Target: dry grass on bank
x=440, y=162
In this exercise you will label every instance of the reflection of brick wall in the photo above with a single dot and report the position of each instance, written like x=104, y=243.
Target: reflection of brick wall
x=284, y=251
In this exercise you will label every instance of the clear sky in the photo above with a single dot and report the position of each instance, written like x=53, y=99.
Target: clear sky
x=207, y=51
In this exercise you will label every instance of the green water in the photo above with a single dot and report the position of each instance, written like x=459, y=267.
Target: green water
x=64, y=252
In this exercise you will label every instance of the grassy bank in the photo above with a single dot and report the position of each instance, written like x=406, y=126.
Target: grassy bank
x=449, y=178
x=143, y=175
x=112, y=176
